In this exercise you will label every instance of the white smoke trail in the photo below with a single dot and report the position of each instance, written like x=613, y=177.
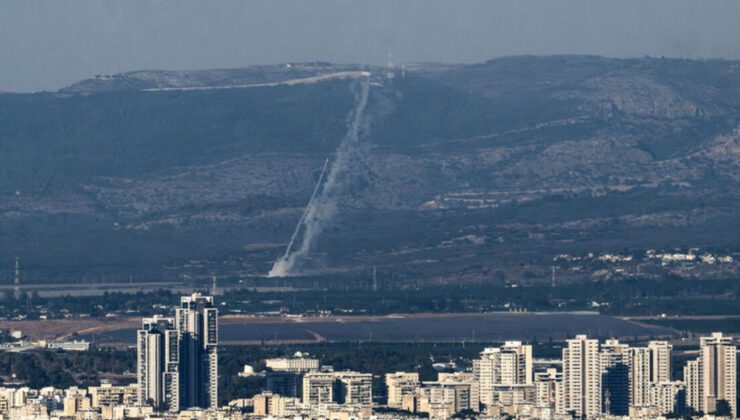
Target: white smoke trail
x=303, y=217
x=320, y=211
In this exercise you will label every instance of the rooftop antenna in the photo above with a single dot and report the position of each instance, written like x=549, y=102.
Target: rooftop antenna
x=17, y=280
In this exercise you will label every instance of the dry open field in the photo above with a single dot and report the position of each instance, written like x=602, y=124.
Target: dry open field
x=390, y=328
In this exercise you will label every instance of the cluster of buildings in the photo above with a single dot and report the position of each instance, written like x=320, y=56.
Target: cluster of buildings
x=300, y=387
x=591, y=380
x=15, y=341
x=693, y=255
x=596, y=380
x=27, y=345
x=104, y=401
x=177, y=378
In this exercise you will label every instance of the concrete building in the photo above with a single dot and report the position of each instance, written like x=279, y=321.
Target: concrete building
x=177, y=359
x=75, y=345
x=629, y=373
x=660, y=361
x=157, y=363
x=285, y=375
x=196, y=321
x=287, y=384
x=638, y=361
x=467, y=389
x=318, y=388
x=441, y=399
x=693, y=384
x=108, y=394
x=509, y=365
x=582, y=377
x=354, y=388
x=440, y=402
x=292, y=364
x=615, y=378
x=344, y=387
x=548, y=389
x=714, y=377
x=269, y=404
x=75, y=400
x=400, y=385
x=668, y=397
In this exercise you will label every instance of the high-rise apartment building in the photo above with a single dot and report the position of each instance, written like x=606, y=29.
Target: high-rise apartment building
x=615, y=378
x=157, y=363
x=712, y=377
x=638, y=362
x=508, y=365
x=582, y=377
x=660, y=361
x=630, y=373
x=693, y=384
x=196, y=321
x=177, y=359
x=717, y=373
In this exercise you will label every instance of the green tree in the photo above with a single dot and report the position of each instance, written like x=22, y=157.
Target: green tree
x=723, y=409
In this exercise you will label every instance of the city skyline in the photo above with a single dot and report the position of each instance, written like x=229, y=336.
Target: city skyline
x=592, y=379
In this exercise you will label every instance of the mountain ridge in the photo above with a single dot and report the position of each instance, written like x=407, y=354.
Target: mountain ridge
x=528, y=154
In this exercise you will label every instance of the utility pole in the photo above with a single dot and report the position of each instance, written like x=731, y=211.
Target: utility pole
x=552, y=277
x=375, y=279
x=17, y=280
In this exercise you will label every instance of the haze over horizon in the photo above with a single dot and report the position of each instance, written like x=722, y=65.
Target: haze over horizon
x=46, y=45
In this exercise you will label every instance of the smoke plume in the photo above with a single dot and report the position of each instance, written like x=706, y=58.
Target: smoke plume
x=322, y=207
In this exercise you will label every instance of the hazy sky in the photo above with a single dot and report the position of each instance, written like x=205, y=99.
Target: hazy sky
x=46, y=44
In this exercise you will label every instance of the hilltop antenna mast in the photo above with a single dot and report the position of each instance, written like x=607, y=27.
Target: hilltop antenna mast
x=214, y=288
x=17, y=279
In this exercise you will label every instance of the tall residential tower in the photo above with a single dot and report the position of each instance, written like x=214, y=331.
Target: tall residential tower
x=713, y=376
x=177, y=358
x=582, y=377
